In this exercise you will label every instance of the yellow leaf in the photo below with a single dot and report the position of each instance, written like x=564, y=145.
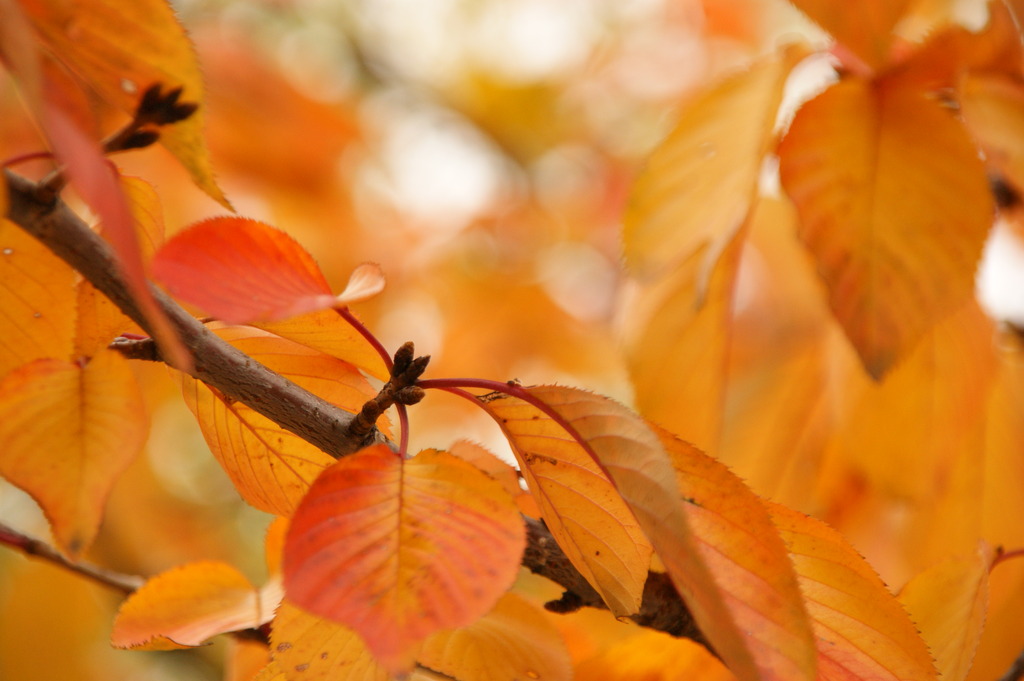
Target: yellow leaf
x=863, y=27
x=948, y=602
x=863, y=633
x=271, y=467
x=894, y=220
x=631, y=455
x=187, y=605
x=309, y=648
x=38, y=314
x=120, y=49
x=699, y=183
x=398, y=548
x=66, y=434
x=579, y=504
x=513, y=642
x=744, y=553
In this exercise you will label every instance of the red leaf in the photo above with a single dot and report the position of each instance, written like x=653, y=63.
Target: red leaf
x=398, y=549
x=242, y=271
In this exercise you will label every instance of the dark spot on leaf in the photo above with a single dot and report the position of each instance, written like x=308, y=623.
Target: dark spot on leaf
x=302, y=667
x=281, y=647
x=323, y=656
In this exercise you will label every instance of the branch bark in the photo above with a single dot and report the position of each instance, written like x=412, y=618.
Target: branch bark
x=238, y=376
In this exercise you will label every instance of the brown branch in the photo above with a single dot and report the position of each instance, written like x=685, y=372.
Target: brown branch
x=33, y=547
x=217, y=363
x=241, y=378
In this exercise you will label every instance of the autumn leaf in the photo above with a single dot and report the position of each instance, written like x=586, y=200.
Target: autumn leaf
x=993, y=110
x=895, y=221
x=865, y=28
x=681, y=326
x=653, y=656
x=698, y=185
x=574, y=422
x=862, y=630
x=67, y=432
x=187, y=605
x=743, y=551
x=271, y=467
x=243, y=271
x=306, y=647
x=948, y=602
x=37, y=313
x=579, y=504
x=399, y=549
x=513, y=641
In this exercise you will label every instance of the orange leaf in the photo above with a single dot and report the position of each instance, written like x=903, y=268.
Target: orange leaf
x=66, y=434
x=745, y=555
x=632, y=456
x=895, y=221
x=698, y=184
x=398, y=549
x=118, y=50
x=579, y=504
x=241, y=271
x=948, y=603
x=271, y=467
x=38, y=313
x=863, y=27
x=993, y=109
x=366, y=281
x=187, y=605
x=308, y=648
x=863, y=633
x=513, y=641
x=653, y=656
x=682, y=327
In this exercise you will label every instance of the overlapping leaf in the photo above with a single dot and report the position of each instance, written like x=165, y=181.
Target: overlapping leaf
x=399, y=549
x=37, y=314
x=948, y=602
x=243, y=271
x=579, y=504
x=993, y=109
x=189, y=604
x=894, y=220
x=863, y=632
x=566, y=419
x=66, y=432
x=699, y=183
x=744, y=553
x=271, y=467
x=865, y=28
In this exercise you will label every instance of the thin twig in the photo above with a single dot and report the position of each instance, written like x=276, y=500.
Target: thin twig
x=39, y=549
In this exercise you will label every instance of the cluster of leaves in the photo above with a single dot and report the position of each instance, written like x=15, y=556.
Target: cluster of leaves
x=385, y=562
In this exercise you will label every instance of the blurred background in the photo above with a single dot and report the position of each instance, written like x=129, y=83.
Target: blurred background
x=482, y=151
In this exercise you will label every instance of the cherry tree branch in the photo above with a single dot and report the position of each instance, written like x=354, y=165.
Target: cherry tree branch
x=329, y=428
x=33, y=547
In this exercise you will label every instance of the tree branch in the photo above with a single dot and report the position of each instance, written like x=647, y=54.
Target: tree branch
x=33, y=547
x=239, y=377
